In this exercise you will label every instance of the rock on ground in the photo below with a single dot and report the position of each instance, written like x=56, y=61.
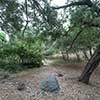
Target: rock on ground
x=50, y=84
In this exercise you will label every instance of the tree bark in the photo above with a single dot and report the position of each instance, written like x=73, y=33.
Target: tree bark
x=85, y=55
x=67, y=56
x=63, y=56
x=78, y=57
x=90, y=51
x=90, y=66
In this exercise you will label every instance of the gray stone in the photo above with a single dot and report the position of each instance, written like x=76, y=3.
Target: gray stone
x=21, y=86
x=50, y=84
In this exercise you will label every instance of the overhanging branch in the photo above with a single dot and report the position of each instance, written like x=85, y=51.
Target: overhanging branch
x=83, y=2
x=40, y=9
x=71, y=45
x=91, y=24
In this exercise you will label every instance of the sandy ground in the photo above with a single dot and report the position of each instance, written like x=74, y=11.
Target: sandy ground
x=70, y=88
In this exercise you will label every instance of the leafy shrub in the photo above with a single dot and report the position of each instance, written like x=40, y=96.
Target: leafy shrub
x=21, y=54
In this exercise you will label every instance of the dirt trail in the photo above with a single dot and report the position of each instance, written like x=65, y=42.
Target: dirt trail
x=70, y=88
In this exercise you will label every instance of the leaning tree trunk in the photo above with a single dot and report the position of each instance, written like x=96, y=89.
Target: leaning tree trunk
x=90, y=66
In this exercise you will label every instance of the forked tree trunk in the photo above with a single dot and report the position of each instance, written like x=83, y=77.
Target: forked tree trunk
x=90, y=66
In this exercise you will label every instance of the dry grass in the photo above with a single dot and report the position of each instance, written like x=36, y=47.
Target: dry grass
x=70, y=88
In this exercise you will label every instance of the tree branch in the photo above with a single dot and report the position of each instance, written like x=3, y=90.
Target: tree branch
x=26, y=11
x=40, y=9
x=83, y=2
x=71, y=45
x=89, y=3
x=91, y=24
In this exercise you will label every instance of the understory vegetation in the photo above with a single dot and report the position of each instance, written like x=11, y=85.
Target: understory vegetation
x=21, y=54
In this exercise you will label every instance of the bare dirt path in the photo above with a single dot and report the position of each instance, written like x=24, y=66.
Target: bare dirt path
x=67, y=75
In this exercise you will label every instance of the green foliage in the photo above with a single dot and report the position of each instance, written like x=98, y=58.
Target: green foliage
x=2, y=36
x=43, y=23
x=11, y=17
x=50, y=51
x=21, y=54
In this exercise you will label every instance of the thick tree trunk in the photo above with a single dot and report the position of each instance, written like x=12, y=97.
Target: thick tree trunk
x=90, y=66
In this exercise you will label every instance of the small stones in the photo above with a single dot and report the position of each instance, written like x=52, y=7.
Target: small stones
x=21, y=86
x=60, y=75
x=4, y=76
x=32, y=94
x=26, y=87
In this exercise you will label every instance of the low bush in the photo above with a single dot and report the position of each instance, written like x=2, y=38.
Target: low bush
x=20, y=55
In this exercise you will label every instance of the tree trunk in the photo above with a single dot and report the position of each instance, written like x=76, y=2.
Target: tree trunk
x=90, y=66
x=85, y=55
x=67, y=56
x=78, y=57
x=63, y=55
x=90, y=51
